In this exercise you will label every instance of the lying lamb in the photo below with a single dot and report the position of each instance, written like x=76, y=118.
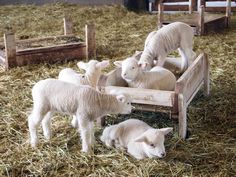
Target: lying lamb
x=160, y=43
x=93, y=70
x=52, y=95
x=137, y=137
x=157, y=78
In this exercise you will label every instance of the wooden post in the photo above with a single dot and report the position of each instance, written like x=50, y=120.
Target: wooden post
x=10, y=48
x=90, y=41
x=160, y=15
x=182, y=116
x=201, y=21
x=228, y=12
x=206, y=75
x=190, y=8
x=150, y=7
x=100, y=122
x=68, y=26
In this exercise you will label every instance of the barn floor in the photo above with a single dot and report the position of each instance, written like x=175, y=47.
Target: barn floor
x=210, y=149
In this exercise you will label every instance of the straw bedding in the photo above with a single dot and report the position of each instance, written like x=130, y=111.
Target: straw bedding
x=210, y=149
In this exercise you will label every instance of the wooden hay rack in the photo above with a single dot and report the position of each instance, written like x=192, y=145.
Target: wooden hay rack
x=177, y=101
x=11, y=57
x=203, y=19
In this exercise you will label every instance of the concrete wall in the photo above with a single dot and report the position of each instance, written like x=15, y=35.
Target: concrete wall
x=82, y=2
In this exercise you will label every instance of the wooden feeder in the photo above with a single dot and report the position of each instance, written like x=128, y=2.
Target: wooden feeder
x=203, y=20
x=11, y=57
x=176, y=101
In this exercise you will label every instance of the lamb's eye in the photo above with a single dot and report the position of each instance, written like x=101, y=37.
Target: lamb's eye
x=152, y=145
x=128, y=103
x=132, y=67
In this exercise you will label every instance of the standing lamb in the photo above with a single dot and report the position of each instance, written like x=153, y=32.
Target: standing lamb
x=160, y=43
x=52, y=95
x=137, y=137
x=158, y=78
x=93, y=70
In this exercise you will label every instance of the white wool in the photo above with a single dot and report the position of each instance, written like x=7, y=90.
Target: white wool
x=140, y=139
x=93, y=71
x=160, y=43
x=52, y=95
x=158, y=78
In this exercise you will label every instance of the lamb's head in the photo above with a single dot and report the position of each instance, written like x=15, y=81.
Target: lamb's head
x=124, y=104
x=110, y=136
x=153, y=142
x=93, y=66
x=130, y=68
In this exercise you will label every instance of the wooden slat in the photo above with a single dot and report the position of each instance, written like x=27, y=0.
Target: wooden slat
x=174, y=1
x=2, y=58
x=51, y=54
x=145, y=96
x=176, y=7
x=191, y=79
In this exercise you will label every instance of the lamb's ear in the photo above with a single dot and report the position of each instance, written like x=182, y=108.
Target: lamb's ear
x=137, y=54
x=118, y=63
x=103, y=64
x=82, y=65
x=167, y=130
x=141, y=138
x=121, y=98
x=143, y=65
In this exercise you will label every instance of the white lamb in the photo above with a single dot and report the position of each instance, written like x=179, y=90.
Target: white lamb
x=160, y=43
x=137, y=137
x=52, y=95
x=158, y=78
x=93, y=70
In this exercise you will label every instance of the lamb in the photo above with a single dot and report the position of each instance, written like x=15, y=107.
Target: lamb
x=52, y=95
x=160, y=43
x=140, y=139
x=158, y=78
x=93, y=70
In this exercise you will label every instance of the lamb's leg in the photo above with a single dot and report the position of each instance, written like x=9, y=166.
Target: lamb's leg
x=34, y=121
x=85, y=133
x=186, y=46
x=161, y=60
x=46, y=125
x=75, y=122
x=92, y=138
x=191, y=55
x=184, y=59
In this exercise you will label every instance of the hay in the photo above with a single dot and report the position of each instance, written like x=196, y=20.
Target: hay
x=210, y=149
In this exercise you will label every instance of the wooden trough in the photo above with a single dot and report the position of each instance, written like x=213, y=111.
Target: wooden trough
x=203, y=20
x=11, y=57
x=177, y=101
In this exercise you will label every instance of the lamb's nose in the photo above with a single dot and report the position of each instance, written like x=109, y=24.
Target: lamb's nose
x=163, y=154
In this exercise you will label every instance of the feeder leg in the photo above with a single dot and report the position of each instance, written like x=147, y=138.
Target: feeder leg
x=10, y=47
x=206, y=75
x=68, y=26
x=100, y=122
x=182, y=116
